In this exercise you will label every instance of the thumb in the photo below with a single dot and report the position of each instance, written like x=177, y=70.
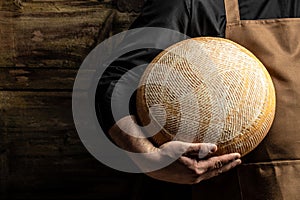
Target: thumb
x=177, y=148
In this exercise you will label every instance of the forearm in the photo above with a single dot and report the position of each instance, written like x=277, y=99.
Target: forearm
x=183, y=169
x=120, y=134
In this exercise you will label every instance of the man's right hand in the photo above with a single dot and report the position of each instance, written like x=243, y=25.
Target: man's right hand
x=187, y=169
x=189, y=166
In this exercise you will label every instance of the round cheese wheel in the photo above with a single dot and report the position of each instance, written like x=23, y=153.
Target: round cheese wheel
x=207, y=90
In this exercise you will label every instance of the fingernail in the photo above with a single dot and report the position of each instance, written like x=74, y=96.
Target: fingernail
x=208, y=149
x=213, y=148
x=238, y=156
x=238, y=162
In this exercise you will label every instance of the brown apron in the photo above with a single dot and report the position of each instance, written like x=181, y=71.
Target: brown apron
x=272, y=170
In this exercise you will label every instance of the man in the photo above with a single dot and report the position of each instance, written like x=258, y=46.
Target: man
x=270, y=30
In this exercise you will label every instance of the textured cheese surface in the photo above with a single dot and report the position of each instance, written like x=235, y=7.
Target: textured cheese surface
x=211, y=90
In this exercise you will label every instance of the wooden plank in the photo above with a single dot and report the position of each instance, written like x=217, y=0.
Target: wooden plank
x=39, y=111
x=43, y=42
x=33, y=78
x=46, y=156
x=51, y=34
x=4, y=169
x=4, y=160
x=59, y=187
x=44, y=178
x=39, y=124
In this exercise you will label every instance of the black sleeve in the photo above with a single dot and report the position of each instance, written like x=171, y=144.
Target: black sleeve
x=170, y=14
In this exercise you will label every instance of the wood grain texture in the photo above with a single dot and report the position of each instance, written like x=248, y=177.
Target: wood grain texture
x=44, y=153
x=43, y=43
x=62, y=34
x=38, y=79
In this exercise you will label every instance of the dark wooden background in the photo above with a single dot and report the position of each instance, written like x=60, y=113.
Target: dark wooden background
x=42, y=45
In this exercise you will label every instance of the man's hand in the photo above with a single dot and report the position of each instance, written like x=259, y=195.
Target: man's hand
x=187, y=169
x=189, y=166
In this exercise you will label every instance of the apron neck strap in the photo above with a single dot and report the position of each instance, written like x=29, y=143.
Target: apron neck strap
x=232, y=11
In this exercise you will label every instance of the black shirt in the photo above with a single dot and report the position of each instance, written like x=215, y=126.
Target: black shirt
x=194, y=18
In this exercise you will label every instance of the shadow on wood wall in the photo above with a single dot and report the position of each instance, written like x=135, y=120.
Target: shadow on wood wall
x=43, y=43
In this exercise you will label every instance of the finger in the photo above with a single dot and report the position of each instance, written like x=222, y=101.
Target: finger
x=200, y=150
x=216, y=172
x=178, y=148
x=218, y=161
x=186, y=161
x=193, y=165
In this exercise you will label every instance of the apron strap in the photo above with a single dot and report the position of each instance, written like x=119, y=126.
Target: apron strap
x=232, y=11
